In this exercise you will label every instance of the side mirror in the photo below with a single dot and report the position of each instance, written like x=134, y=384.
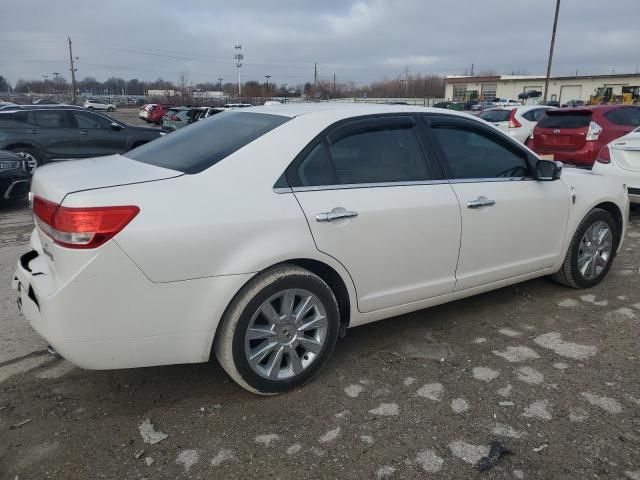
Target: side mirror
x=548, y=170
x=116, y=126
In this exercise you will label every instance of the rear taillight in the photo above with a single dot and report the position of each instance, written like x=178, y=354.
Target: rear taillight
x=174, y=117
x=513, y=121
x=81, y=227
x=604, y=156
x=594, y=132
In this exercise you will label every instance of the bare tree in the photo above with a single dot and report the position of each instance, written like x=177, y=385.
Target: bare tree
x=184, y=87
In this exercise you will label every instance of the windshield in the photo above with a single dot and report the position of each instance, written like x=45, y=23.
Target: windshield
x=205, y=143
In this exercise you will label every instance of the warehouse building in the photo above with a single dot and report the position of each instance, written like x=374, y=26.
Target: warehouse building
x=561, y=89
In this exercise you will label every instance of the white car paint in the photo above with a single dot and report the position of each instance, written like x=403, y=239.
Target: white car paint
x=505, y=102
x=624, y=163
x=155, y=293
x=143, y=112
x=92, y=104
x=527, y=125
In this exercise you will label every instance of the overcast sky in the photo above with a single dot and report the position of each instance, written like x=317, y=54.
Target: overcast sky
x=359, y=41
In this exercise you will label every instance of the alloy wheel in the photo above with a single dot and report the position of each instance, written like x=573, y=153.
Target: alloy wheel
x=30, y=160
x=286, y=334
x=595, y=250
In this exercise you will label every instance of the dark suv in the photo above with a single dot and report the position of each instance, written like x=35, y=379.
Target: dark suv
x=40, y=135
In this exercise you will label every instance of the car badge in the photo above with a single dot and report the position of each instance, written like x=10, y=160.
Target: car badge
x=556, y=131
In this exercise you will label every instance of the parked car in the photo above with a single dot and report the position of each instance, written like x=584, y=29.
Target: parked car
x=143, y=112
x=249, y=236
x=517, y=122
x=551, y=103
x=458, y=106
x=206, y=112
x=576, y=135
x=172, y=121
x=14, y=177
x=621, y=159
x=479, y=107
x=97, y=104
x=41, y=135
x=505, y=102
x=469, y=104
x=156, y=113
x=44, y=101
x=574, y=103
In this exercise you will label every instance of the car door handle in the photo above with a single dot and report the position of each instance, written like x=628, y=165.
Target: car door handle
x=331, y=216
x=481, y=202
x=84, y=132
x=33, y=132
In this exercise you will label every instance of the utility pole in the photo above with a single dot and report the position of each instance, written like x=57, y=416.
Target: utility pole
x=472, y=69
x=553, y=41
x=406, y=80
x=334, y=84
x=46, y=90
x=267, y=77
x=284, y=87
x=239, y=56
x=73, y=74
x=315, y=74
x=220, y=83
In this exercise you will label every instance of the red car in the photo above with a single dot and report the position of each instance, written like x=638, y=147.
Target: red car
x=156, y=113
x=576, y=135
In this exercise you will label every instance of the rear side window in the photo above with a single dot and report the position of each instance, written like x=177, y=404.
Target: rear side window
x=495, y=116
x=52, y=119
x=475, y=154
x=553, y=119
x=203, y=144
x=374, y=154
x=629, y=116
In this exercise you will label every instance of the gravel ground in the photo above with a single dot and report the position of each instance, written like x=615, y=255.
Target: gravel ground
x=549, y=371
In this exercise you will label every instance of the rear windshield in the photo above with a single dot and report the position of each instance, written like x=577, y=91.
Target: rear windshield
x=495, y=115
x=205, y=143
x=576, y=119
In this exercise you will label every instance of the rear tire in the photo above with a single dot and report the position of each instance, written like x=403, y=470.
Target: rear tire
x=591, y=251
x=269, y=315
x=110, y=109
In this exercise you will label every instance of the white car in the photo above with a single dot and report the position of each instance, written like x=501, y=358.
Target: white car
x=621, y=160
x=517, y=122
x=505, y=102
x=96, y=104
x=262, y=243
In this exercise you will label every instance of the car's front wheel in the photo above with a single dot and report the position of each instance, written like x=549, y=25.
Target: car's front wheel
x=30, y=157
x=279, y=331
x=591, y=251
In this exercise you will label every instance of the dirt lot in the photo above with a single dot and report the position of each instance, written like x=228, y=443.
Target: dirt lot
x=550, y=371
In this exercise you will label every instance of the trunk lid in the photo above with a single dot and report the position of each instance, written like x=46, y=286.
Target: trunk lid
x=54, y=181
x=626, y=152
x=561, y=130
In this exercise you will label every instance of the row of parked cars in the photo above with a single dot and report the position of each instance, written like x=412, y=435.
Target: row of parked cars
x=172, y=118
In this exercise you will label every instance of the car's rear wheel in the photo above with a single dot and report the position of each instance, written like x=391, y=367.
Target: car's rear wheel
x=110, y=109
x=279, y=331
x=29, y=156
x=591, y=251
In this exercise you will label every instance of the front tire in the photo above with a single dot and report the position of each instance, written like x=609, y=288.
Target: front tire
x=29, y=155
x=279, y=331
x=591, y=251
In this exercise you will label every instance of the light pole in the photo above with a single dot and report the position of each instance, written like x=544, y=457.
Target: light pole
x=239, y=57
x=220, y=83
x=45, y=83
x=553, y=41
x=267, y=77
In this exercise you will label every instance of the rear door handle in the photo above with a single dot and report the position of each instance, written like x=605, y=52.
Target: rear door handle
x=33, y=132
x=331, y=216
x=480, y=202
x=84, y=132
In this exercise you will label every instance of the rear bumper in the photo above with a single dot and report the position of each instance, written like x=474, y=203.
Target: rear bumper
x=110, y=315
x=584, y=156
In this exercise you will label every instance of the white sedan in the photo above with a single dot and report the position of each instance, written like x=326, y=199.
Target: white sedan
x=517, y=122
x=621, y=160
x=259, y=235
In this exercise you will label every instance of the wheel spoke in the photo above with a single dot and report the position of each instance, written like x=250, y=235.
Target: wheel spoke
x=604, y=233
x=310, y=344
x=306, y=304
x=269, y=313
x=273, y=365
x=296, y=364
x=591, y=270
x=256, y=333
x=585, y=266
x=260, y=354
x=319, y=321
x=288, y=300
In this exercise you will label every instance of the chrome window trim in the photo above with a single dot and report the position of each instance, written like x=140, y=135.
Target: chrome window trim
x=350, y=186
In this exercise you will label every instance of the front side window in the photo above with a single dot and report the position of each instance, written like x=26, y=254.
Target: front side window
x=203, y=144
x=476, y=154
x=87, y=120
x=381, y=154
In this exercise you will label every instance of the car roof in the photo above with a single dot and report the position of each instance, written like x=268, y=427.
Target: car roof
x=346, y=110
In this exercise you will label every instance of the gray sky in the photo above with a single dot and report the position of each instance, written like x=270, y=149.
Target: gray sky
x=359, y=41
